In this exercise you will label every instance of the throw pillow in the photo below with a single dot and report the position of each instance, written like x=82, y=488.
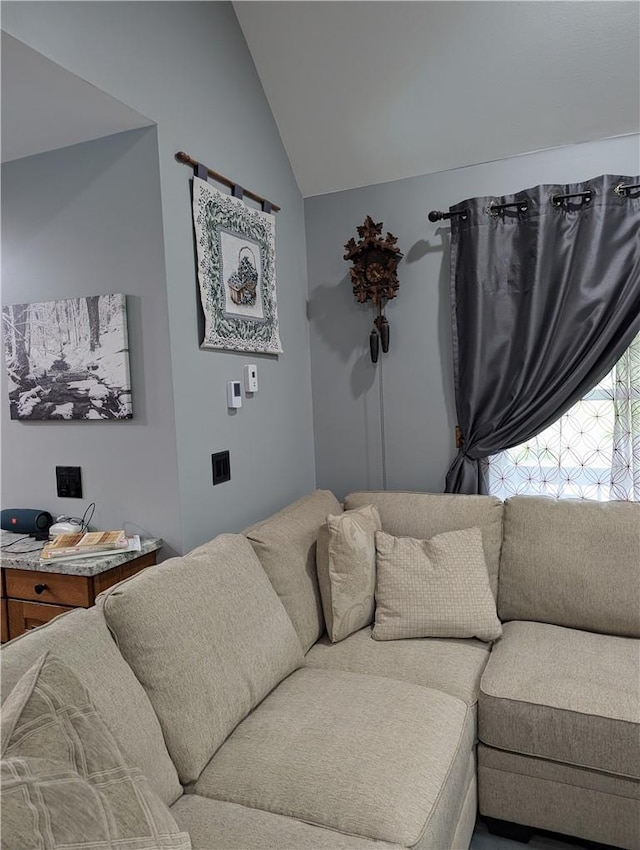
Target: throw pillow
x=58, y=754
x=346, y=562
x=434, y=588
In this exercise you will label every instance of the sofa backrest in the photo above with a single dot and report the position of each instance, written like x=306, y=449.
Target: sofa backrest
x=285, y=543
x=571, y=563
x=208, y=638
x=82, y=641
x=421, y=515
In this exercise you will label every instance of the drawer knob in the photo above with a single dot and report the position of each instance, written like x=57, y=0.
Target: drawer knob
x=40, y=588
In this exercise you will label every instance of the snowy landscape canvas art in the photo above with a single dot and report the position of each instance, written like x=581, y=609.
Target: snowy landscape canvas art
x=68, y=359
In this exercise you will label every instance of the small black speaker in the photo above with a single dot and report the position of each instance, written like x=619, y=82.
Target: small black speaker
x=26, y=521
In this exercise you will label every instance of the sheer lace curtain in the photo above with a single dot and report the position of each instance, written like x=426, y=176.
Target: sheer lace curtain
x=591, y=452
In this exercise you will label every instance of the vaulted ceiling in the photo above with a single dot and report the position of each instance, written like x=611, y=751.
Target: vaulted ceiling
x=366, y=92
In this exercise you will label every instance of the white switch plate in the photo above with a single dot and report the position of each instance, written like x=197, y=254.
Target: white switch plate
x=251, y=378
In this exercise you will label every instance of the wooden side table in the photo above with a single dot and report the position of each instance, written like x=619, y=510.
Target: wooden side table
x=34, y=593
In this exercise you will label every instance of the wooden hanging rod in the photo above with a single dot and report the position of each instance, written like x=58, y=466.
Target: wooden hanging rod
x=183, y=157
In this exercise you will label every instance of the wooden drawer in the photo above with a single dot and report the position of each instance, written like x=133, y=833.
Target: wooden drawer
x=24, y=616
x=49, y=587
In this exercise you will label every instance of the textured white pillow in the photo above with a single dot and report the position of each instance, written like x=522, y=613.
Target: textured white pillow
x=434, y=588
x=346, y=564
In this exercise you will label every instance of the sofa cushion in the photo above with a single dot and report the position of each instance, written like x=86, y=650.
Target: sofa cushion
x=446, y=664
x=58, y=753
x=232, y=827
x=434, y=588
x=208, y=638
x=359, y=754
x=82, y=641
x=422, y=515
x=565, y=695
x=572, y=563
x=286, y=546
x=346, y=562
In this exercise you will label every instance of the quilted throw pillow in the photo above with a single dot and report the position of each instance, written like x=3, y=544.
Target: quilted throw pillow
x=65, y=783
x=346, y=563
x=434, y=588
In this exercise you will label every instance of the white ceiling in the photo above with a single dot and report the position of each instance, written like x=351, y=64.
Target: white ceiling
x=366, y=92
x=45, y=107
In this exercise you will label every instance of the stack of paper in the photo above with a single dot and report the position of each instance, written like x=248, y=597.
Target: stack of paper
x=89, y=543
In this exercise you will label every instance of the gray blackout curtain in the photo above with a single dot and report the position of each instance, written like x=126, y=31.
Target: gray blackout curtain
x=545, y=299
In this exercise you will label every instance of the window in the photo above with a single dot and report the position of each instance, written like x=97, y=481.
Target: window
x=591, y=452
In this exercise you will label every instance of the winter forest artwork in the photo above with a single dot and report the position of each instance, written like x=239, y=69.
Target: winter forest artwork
x=68, y=359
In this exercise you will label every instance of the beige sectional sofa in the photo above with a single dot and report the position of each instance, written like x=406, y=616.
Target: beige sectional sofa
x=214, y=674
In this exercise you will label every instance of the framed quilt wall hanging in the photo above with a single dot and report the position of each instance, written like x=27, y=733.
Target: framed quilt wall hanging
x=236, y=259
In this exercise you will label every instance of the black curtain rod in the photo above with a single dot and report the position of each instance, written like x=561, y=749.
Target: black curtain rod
x=556, y=200
x=203, y=171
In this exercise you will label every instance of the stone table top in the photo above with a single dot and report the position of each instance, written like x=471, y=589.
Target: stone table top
x=24, y=554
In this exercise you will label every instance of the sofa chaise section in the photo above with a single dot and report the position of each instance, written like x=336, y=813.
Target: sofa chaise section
x=559, y=706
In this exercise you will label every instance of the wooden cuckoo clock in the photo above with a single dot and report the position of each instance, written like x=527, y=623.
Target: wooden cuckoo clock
x=373, y=275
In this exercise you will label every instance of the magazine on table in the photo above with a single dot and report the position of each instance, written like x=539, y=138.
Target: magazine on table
x=88, y=544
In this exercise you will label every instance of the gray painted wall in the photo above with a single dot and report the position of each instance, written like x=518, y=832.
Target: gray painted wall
x=86, y=220
x=186, y=66
x=416, y=376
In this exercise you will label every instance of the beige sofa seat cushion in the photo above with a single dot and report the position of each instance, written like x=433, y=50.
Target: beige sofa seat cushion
x=65, y=781
x=346, y=562
x=358, y=754
x=423, y=515
x=572, y=563
x=445, y=664
x=208, y=638
x=285, y=543
x=215, y=823
x=565, y=695
x=82, y=641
